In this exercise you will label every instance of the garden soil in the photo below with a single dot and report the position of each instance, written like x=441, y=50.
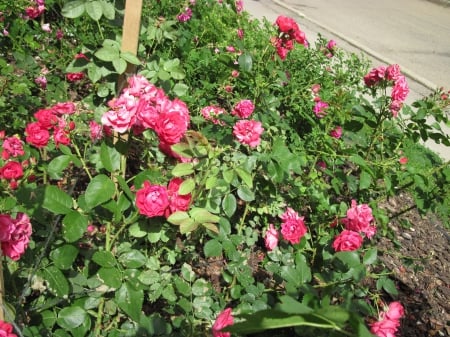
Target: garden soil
x=418, y=255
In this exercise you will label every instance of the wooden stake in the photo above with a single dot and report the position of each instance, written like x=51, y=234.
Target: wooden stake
x=130, y=37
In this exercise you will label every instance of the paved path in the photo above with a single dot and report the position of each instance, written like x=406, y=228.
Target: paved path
x=413, y=33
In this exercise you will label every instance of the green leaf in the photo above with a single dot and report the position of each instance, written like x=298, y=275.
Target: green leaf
x=188, y=226
x=74, y=226
x=94, y=9
x=112, y=277
x=71, y=317
x=187, y=186
x=171, y=65
x=180, y=89
x=107, y=53
x=130, y=58
x=245, y=62
x=57, y=165
x=291, y=306
x=178, y=217
x=132, y=259
x=130, y=301
x=202, y=215
x=187, y=272
x=291, y=275
x=56, y=200
x=104, y=259
x=182, y=169
x=365, y=180
x=110, y=157
x=245, y=176
x=212, y=248
x=120, y=65
x=56, y=281
x=73, y=9
x=370, y=256
x=229, y=204
x=64, y=256
x=245, y=193
x=351, y=259
x=99, y=190
x=108, y=10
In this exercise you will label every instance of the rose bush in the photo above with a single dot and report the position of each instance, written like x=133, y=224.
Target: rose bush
x=230, y=187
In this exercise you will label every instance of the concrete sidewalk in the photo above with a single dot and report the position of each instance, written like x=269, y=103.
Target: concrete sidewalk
x=419, y=85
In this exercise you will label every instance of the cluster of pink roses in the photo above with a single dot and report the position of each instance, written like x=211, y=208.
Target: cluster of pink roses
x=246, y=131
x=390, y=75
x=11, y=170
x=389, y=321
x=359, y=221
x=143, y=106
x=6, y=330
x=14, y=235
x=157, y=200
x=53, y=119
x=292, y=229
x=185, y=15
x=289, y=33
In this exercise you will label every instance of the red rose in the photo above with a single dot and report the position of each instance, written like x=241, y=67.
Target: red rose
x=6, y=329
x=61, y=136
x=293, y=227
x=73, y=77
x=37, y=135
x=46, y=118
x=170, y=127
x=152, y=200
x=63, y=108
x=11, y=170
x=286, y=24
x=347, y=241
x=177, y=202
x=224, y=319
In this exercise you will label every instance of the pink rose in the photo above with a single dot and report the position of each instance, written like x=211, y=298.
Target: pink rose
x=403, y=160
x=271, y=238
x=395, y=107
x=41, y=81
x=6, y=227
x=120, y=120
x=248, y=132
x=293, y=227
x=6, y=330
x=331, y=45
x=20, y=237
x=243, y=109
x=336, y=132
x=170, y=127
x=61, y=137
x=152, y=200
x=13, y=146
x=347, y=241
x=74, y=77
x=393, y=72
x=286, y=24
x=224, y=319
x=319, y=109
x=63, y=108
x=46, y=118
x=400, y=89
x=95, y=131
x=177, y=202
x=375, y=76
x=211, y=113
x=359, y=219
x=395, y=311
x=11, y=170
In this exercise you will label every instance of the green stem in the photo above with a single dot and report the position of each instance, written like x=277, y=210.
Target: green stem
x=83, y=163
x=241, y=225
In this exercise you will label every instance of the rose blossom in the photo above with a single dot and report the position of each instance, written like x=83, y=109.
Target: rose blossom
x=336, y=132
x=271, y=238
x=6, y=330
x=6, y=227
x=389, y=321
x=243, y=109
x=120, y=120
x=95, y=131
x=46, y=27
x=248, y=132
x=59, y=34
x=61, y=137
x=331, y=44
x=395, y=107
x=152, y=200
x=46, y=118
x=293, y=227
x=211, y=113
x=41, y=81
x=20, y=237
x=12, y=146
x=403, y=160
x=400, y=89
x=11, y=170
x=63, y=108
x=170, y=127
x=347, y=241
x=393, y=72
x=177, y=202
x=359, y=219
x=224, y=319
x=74, y=77
x=319, y=109
x=375, y=76
x=286, y=24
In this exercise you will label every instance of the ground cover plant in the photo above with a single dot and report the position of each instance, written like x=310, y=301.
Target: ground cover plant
x=231, y=187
